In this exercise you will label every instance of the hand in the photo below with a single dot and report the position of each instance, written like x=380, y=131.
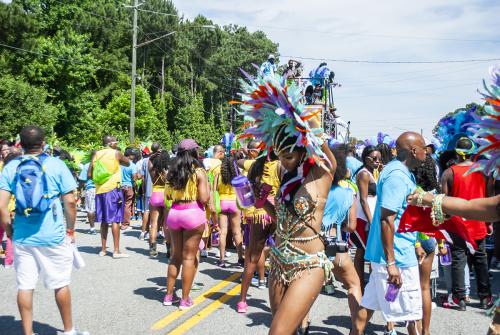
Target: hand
x=394, y=275
x=421, y=254
x=489, y=228
x=427, y=199
x=442, y=250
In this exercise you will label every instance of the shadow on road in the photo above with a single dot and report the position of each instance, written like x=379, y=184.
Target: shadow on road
x=259, y=319
x=218, y=273
x=344, y=321
x=88, y=249
x=9, y=325
x=151, y=293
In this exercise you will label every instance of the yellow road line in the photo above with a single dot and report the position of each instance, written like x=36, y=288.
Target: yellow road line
x=190, y=323
x=198, y=300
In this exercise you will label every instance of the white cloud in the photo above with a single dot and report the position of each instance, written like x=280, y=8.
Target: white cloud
x=386, y=97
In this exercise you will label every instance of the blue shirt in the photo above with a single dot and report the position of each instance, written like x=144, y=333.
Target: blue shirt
x=144, y=171
x=353, y=165
x=337, y=206
x=127, y=173
x=83, y=177
x=394, y=184
x=45, y=229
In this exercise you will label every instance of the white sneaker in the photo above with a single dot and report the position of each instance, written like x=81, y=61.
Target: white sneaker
x=227, y=254
x=204, y=253
x=142, y=236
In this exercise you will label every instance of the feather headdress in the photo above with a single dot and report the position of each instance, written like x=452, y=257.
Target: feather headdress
x=486, y=128
x=453, y=124
x=277, y=109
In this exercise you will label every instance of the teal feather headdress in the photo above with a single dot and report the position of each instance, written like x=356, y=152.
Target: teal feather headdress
x=276, y=107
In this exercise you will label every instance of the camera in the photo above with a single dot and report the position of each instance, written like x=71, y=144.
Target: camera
x=333, y=246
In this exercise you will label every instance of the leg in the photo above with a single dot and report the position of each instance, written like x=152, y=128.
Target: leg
x=261, y=265
x=128, y=197
x=145, y=221
x=104, y=236
x=414, y=327
x=345, y=272
x=191, y=244
x=223, y=222
x=362, y=319
x=425, y=285
x=154, y=213
x=175, y=259
x=91, y=218
x=458, y=261
x=480, y=262
x=236, y=230
x=297, y=301
x=359, y=265
x=116, y=237
x=25, y=304
x=258, y=237
x=276, y=293
x=63, y=299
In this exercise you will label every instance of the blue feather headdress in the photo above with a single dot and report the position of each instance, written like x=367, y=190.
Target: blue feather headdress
x=486, y=128
x=276, y=107
x=453, y=124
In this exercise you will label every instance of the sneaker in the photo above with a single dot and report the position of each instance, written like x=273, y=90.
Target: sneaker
x=329, y=289
x=160, y=236
x=227, y=254
x=390, y=332
x=102, y=253
x=262, y=284
x=170, y=299
x=241, y=262
x=486, y=303
x=221, y=264
x=242, y=307
x=255, y=282
x=118, y=255
x=454, y=303
x=142, y=236
x=186, y=304
x=92, y=231
x=204, y=253
x=153, y=253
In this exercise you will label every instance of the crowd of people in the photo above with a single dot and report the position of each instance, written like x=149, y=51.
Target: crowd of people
x=300, y=210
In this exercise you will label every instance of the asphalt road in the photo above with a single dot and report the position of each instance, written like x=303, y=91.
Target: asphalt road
x=125, y=297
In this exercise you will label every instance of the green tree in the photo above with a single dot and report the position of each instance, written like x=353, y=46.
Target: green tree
x=23, y=104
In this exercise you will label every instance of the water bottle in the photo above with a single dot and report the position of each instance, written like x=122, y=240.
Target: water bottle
x=392, y=292
x=215, y=239
x=244, y=191
x=446, y=258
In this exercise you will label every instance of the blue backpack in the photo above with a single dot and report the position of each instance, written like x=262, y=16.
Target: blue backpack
x=31, y=186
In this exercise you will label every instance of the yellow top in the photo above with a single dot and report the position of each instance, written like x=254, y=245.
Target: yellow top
x=108, y=158
x=226, y=191
x=159, y=188
x=189, y=193
x=271, y=177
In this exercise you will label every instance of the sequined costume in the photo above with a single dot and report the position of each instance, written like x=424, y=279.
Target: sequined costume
x=288, y=261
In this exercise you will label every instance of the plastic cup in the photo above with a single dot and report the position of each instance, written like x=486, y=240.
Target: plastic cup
x=392, y=292
x=244, y=192
x=446, y=258
x=215, y=239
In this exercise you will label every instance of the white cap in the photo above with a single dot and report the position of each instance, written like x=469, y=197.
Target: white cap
x=271, y=56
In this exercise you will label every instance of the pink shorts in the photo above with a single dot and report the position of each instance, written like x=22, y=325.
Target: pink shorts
x=157, y=200
x=228, y=207
x=186, y=216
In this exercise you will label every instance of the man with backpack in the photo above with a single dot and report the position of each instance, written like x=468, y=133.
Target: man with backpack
x=106, y=173
x=42, y=245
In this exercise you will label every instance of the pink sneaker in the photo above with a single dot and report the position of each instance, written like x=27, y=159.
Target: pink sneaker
x=170, y=299
x=186, y=304
x=242, y=307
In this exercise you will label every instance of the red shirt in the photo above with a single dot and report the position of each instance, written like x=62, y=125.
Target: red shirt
x=469, y=187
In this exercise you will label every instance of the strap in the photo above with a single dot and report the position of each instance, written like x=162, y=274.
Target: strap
x=321, y=235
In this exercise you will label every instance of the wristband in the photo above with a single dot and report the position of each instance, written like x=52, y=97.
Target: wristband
x=70, y=232
x=441, y=245
x=418, y=244
x=390, y=263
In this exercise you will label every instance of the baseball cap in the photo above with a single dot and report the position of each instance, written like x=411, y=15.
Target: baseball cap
x=271, y=56
x=188, y=144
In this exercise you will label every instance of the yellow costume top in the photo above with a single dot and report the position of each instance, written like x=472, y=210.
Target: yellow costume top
x=108, y=159
x=189, y=193
x=226, y=191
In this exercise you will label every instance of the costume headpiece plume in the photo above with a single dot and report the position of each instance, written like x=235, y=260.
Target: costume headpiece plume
x=279, y=115
x=486, y=128
x=453, y=124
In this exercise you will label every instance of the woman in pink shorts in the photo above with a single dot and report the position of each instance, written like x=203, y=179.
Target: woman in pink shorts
x=187, y=187
x=229, y=211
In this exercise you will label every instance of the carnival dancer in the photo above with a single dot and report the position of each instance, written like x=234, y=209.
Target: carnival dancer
x=392, y=254
x=264, y=171
x=367, y=198
x=158, y=166
x=89, y=194
x=299, y=265
x=187, y=188
x=230, y=214
x=341, y=215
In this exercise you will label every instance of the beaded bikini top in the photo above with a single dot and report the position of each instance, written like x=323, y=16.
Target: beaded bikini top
x=290, y=224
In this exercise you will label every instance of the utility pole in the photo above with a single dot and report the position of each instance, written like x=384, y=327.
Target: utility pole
x=162, y=77
x=134, y=74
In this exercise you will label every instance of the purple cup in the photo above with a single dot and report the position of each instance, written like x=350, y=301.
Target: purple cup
x=392, y=292
x=215, y=239
x=244, y=191
x=446, y=259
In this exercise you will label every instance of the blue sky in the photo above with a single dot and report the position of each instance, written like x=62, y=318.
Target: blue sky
x=379, y=97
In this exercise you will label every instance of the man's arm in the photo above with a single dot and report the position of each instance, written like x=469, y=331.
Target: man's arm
x=5, y=220
x=387, y=218
x=69, y=210
x=122, y=159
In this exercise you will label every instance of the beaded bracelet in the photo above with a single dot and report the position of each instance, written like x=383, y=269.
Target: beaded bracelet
x=437, y=214
x=420, y=198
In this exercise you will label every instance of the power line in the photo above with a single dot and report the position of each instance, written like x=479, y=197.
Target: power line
x=154, y=12
x=394, y=62
x=59, y=58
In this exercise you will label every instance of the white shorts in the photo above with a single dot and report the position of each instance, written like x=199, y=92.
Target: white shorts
x=90, y=200
x=408, y=304
x=54, y=264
